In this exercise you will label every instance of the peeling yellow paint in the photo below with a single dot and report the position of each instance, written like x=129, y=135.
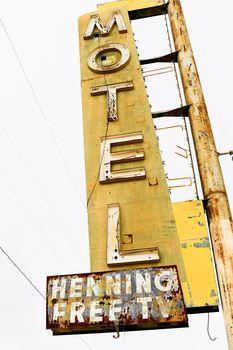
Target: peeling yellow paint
x=201, y=289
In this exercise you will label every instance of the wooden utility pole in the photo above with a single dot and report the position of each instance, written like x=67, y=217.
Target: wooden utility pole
x=214, y=191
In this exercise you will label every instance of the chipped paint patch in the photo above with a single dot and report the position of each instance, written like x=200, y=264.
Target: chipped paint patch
x=202, y=244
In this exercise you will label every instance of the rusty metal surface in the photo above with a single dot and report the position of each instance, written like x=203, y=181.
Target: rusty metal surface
x=214, y=191
x=148, y=12
x=111, y=91
x=146, y=298
x=109, y=157
x=131, y=5
x=104, y=30
x=171, y=57
x=177, y=112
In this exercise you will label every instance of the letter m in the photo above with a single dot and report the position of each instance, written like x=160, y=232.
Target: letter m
x=94, y=21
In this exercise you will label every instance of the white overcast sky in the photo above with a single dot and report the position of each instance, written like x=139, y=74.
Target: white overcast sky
x=43, y=213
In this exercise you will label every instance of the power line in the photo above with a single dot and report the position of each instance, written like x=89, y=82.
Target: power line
x=101, y=161
x=41, y=110
x=105, y=134
x=51, y=134
x=58, y=149
x=33, y=285
x=38, y=188
x=86, y=343
x=22, y=273
x=28, y=213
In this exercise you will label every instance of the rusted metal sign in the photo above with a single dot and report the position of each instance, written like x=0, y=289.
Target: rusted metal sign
x=126, y=300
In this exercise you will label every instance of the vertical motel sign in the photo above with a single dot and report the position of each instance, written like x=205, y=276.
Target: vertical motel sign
x=129, y=210
x=132, y=224
x=130, y=215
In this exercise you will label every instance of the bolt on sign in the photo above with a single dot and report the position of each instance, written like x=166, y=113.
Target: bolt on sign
x=130, y=216
x=126, y=300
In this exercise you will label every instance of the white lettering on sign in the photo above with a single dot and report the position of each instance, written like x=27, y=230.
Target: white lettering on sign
x=95, y=312
x=114, y=309
x=128, y=289
x=58, y=310
x=76, y=312
x=163, y=281
x=92, y=287
x=144, y=301
x=104, y=30
x=113, y=284
x=76, y=287
x=59, y=286
x=111, y=91
x=167, y=281
x=108, y=158
x=164, y=306
x=143, y=283
x=114, y=242
x=108, y=58
x=136, y=294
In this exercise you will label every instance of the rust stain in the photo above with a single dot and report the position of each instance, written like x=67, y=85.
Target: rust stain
x=92, y=302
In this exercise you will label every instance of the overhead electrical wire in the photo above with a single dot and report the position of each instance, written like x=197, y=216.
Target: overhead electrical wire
x=51, y=134
x=34, y=286
x=59, y=152
x=29, y=172
x=41, y=111
x=101, y=161
x=28, y=214
x=38, y=188
x=22, y=273
x=105, y=136
x=85, y=342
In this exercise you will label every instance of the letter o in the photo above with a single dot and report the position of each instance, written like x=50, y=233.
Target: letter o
x=116, y=57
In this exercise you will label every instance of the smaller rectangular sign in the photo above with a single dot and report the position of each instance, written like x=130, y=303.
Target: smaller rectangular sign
x=132, y=299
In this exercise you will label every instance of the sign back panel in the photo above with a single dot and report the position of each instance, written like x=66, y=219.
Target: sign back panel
x=200, y=291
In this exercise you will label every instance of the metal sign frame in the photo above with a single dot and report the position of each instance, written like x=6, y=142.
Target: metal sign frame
x=131, y=299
